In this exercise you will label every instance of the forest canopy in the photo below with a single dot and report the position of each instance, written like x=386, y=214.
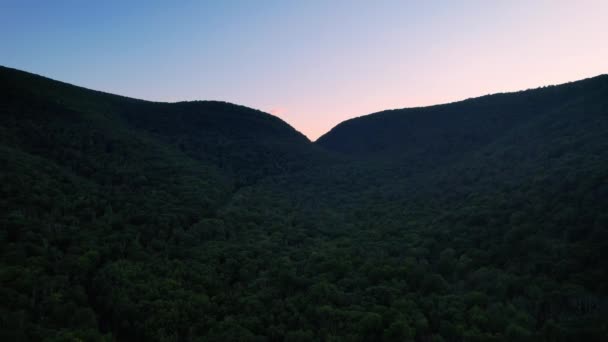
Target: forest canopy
x=480, y=220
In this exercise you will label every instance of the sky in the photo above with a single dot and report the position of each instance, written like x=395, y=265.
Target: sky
x=312, y=63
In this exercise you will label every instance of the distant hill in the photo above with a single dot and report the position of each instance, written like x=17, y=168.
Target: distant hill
x=446, y=131
x=246, y=143
x=129, y=220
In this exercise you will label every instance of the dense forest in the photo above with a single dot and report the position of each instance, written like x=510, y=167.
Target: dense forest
x=129, y=220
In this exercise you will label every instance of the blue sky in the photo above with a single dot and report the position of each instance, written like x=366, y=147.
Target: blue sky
x=313, y=63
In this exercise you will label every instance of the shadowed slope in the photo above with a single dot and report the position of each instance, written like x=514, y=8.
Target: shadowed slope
x=432, y=134
x=128, y=220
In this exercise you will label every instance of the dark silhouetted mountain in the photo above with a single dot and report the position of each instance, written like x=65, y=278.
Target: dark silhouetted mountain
x=129, y=220
x=447, y=131
x=245, y=143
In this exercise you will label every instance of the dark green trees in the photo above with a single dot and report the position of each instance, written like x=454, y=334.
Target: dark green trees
x=126, y=220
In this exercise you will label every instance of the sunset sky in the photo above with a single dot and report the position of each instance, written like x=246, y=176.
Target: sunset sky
x=312, y=63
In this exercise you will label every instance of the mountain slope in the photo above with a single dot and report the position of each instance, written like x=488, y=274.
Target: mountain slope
x=246, y=143
x=90, y=178
x=130, y=220
x=444, y=131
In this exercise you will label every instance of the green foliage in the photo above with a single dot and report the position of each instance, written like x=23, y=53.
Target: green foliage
x=126, y=220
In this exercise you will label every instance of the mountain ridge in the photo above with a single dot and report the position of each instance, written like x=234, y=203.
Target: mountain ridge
x=35, y=81
x=529, y=91
x=128, y=220
x=587, y=79
x=479, y=119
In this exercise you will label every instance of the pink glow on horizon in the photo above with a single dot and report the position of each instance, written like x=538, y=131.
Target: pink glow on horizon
x=312, y=63
x=539, y=48
x=277, y=111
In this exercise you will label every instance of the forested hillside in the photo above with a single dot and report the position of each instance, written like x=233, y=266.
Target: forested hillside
x=446, y=131
x=482, y=220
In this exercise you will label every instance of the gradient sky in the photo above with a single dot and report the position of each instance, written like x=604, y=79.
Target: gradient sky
x=312, y=63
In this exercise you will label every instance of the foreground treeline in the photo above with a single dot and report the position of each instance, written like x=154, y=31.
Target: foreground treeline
x=129, y=220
